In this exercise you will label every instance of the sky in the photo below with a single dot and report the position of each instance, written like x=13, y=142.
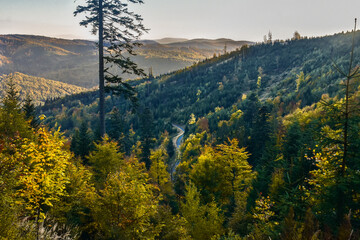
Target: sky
x=235, y=19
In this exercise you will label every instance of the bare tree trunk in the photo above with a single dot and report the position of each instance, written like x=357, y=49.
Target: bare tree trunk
x=345, y=142
x=101, y=71
x=37, y=223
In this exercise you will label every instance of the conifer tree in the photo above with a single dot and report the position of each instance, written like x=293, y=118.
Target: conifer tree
x=310, y=226
x=75, y=142
x=81, y=143
x=12, y=119
x=84, y=140
x=30, y=112
x=116, y=124
x=147, y=137
x=337, y=160
x=117, y=27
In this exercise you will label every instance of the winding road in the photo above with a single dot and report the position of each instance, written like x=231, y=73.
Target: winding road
x=177, y=142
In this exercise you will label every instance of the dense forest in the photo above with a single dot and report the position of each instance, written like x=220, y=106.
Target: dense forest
x=38, y=89
x=74, y=61
x=271, y=151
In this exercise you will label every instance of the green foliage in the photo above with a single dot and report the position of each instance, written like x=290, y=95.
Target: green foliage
x=221, y=172
x=43, y=180
x=310, y=227
x=301, y=80
x=81, y=143
x=158, y=170
x=190, y=151
x=260, y=160
x=30, y=111
x=290, y=230
x=263, y=217
x=203, y=221
x=240, y=218
x=37, y=88
x=105, y=159
x=173, y=226
x=127, y=203
x=12, y=119
x=147, y=136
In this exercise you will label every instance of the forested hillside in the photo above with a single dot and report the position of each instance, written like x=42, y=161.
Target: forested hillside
x=74, y=61
x=295, y=72
x=271, y=151
x=38, y=89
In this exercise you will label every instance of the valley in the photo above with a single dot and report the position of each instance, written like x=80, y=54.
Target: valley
x=74, y=61
x=179, y=137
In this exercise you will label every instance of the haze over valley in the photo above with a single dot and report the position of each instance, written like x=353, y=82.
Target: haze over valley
x=74, y=61
x=161, y=126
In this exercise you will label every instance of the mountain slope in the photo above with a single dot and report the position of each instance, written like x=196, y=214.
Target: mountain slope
x=292, y=73
x=75, y=61
x=217, y=44
x=271, y=70
x=171, y=40
x=39, y=89
x=69, y=61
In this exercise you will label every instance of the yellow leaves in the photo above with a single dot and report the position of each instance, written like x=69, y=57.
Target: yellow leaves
x=203, y=221
x=222, y=170
x=43, y=178
x=105, y=159
x=262, y=210
x=324, y=177
x=236, y=115
x=127, y=201
x=42, y=117
x=158, y=169
x=192, y=119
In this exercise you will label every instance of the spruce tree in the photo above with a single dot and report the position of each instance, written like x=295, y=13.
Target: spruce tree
x=338, y=158
x=84, y=140
x=348, y=114
x=12, y=119
x=81, y=143
x=115, y=124
x=147, y=137
x=117, y=27
x=30, y=112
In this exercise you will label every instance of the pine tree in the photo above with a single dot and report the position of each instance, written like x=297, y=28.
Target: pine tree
x=147, y=136
x=310, y=226
x=85, y=140
x=335, y=180
x=81, y=142
x=290, y=229
x=12, y=119
x=118, y=27
x=75, y=142
x=115, y=124
x=30, y=111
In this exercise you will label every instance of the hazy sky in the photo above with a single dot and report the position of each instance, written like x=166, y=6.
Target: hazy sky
x=236, y=19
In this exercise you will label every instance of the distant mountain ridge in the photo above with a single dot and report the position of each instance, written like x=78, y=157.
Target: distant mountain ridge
x=75, y=61
x=39, y=89
x=170, y=40
x=220, y=43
